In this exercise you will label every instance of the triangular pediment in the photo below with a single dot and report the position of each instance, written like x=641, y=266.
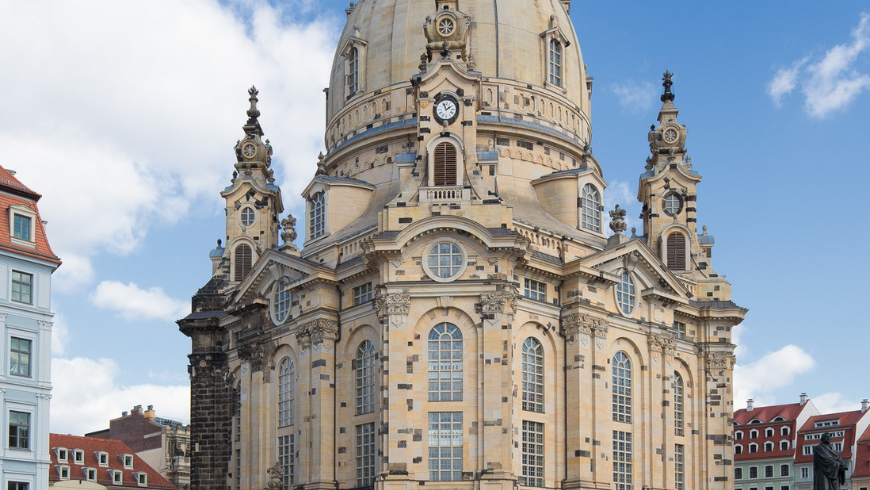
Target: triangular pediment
x=273, y=266
x=634, y=256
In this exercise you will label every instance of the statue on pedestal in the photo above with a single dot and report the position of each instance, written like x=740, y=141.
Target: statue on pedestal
x=829, y=471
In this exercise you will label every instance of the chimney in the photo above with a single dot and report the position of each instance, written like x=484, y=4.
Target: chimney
x=11, y=171
x=137, y=409
x=865, y=404
x=124, y=413
x=149, y=414
x=803, y=399
x=750, y=405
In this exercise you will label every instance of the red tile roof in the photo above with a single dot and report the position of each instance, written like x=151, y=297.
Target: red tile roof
x=846, y=424
x=13, y=192
x=862, y=457
x=766, y=414
x=90, y=446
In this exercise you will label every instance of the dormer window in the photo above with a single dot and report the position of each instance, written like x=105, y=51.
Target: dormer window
x=141, y=478
x=90, y=474
x=117, y=476
x=555, y=63
x=78, y=456
x=354, y=53
x=102, y=458
x=62, y=471
x=61, y=453
x=21, y=224
x=316, y=216
x=127, y=459
x=590, y=204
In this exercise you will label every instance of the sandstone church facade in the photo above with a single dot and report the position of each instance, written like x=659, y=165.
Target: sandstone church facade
x=458, y=317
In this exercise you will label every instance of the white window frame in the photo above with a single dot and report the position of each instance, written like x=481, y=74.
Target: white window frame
x=679, y=405
x=61, y=453
x=555, y=63
x=590, y=208
x=90, y=474
x=753, y=434
x=445, y=434
x=22, y=335
x=362, y=293
x=127, y=461
x=78, y=456
x=281, y=301
x=366, y=453
x=533, y=375
x=141, y=478
x=532, y=451
x=445, y=370
x=784, y=445
x=32, y=301
x=623, y=456
x=253, y=216
x=770, y=445
x=784, y=431
x=62, y=471
x=769, y=432
x=317, y=210
x=102, y=458
x=365, y=373
x=753, y=447
x=31, y=433
x=621, y=387
x=535, y=290
x=625, y=293
x=25, y=212
x=117, y=477
x=286, y=392
x=436, y=276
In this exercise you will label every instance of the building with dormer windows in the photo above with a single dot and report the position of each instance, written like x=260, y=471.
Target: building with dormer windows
x=26, y=265
x=845, y=428
x=457, y=316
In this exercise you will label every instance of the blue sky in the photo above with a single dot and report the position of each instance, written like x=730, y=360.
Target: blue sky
x=124, y=115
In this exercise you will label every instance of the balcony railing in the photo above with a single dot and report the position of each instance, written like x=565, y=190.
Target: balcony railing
x=445, y=194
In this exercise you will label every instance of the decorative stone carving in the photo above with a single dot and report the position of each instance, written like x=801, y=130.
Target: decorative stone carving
x=578, y=328
x=599, y=331
x=617, y=220
x=393, y=304
x=289, y=226
x=276, y=477
x=319, y=332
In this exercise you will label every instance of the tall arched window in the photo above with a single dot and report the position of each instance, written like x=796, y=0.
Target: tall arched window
x=365, y=378
x=591, y=203
x=352, y=72
x=242, y=260
x=317, y=216
x=445, y=363
x=444, y=164
x=676, y=252
x=621, y=387
x=286, y=392
x=533, y=376
x=678, y=404
x=625, y=294
x=555, y=62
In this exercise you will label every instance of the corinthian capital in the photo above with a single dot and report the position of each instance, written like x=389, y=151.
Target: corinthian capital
x=393, y=304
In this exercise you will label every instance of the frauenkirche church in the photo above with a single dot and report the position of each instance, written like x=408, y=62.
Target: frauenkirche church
x=458, y=317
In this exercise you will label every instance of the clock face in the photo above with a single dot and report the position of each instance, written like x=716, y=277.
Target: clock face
x=249, y=150
x=445, y=110
x=670, y=135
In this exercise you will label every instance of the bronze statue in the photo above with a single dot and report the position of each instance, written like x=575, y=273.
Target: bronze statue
x=829, y=471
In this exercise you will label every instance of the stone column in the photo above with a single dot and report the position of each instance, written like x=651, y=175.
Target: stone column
x=317, y=342
x=497, y=309
x=580, y=401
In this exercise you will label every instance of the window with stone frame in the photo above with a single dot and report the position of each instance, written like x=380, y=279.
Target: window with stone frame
x=738, y=473
x=22, y=227
x=19, y=356
x=243, y=261
x=316, y=216
x=753, y=472
x=621, y=387
x=678, y=405
x=365, y=455
x=622, y=460
x=362, y=294
x=445, y=348
x=286, y=450
x=19, y=430
x=22, y=287
x=783, y=470
x=445, y=446
x=444, y=164
x=679, y=330
x=533, y=375
x=625, y=294
x=676, y=251
x=533, y=454
x=352, y=72
x=535, y=290
x=555, y=63
x=590, y=204
x=286, y=392
x=679, y=467
x=364, y=365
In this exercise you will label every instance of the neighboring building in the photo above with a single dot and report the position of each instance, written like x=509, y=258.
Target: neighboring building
x=861, y=471
x=162, y=443
x=26, y=265
x=91, y=463
x=844, y=427
x=764, y=444
x=458, y=317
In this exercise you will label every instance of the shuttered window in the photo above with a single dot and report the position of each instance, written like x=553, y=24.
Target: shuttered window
x=243, y=261
x=676, y=252
x=445, y=164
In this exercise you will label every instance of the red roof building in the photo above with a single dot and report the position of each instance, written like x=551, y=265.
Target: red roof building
x=94, y=463
x=844, y=428
x=21, y=200
x=861, y=471
x=764, y=444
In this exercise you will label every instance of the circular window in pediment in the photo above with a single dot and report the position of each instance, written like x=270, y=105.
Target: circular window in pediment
x=444, y=261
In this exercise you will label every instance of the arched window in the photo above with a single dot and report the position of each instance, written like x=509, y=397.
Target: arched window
x=753, y=434
x=281, y=301
x=738, y=435
x=444, y=164
x=352, y=72
x=768, y=432
x=678, y=404
x=768, y=447
x=555, y=62
x=317, y=216
x=738, y=449
x=445, y=363
x=591, y=202
x=621, y=387
x=784, y=431
x=753, y=448
x=286, y=392
x=783, y=445
x=676, y=252
x=365, y=378
x=533, y=376
x=625, y=294
x=243, y=259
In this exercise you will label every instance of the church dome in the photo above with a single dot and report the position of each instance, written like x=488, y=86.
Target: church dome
x=506, y=40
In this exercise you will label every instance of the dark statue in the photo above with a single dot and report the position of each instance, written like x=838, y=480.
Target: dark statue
x=829, y=471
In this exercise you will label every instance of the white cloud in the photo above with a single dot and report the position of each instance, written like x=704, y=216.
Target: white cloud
x=59, y=335
x=835, y=403
x=784, y=81
x=133, y=303
x=128, y=112
x=831, y=83
x=636, y=96
x=736, y=338
x=619, y=192
x=758, y=380
x=86, y=396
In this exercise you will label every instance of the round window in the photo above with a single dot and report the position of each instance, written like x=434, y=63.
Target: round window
x=247, y=217
x=673, y=204
x=444, y=261
x=281, y=301
x=625, y=294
